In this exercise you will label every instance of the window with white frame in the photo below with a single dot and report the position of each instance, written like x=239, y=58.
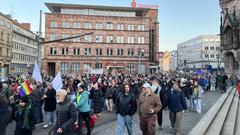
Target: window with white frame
x=120, y=52
x=53, y=36
x=130, y=52
x=75, y=67
x=109, y=26
x=130, y=26
x=120, y=26
x=109, y=39
x=99, y=26
x=76, y=25
x=88, y=38
x=87, y=25
x=141, y=40
x=76, y=51
x=120, y=39
x=53, y=24
x=99, y=51
x=64, y=67
x=109, y=52
x=64, y=51
x=141, y=27
x=98, y=39
x=87, y=52
x=130, y=68
x=130, y=40
x=65, y=24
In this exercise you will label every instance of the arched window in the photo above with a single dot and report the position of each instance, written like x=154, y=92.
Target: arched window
x=228, y=35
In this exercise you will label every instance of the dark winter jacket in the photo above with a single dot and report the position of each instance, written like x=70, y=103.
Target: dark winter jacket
x=176, y=101
x=109, y=93
x=96, y=96
x=50, y=101
x=22, y=122
x=126, y=104
x=66, y=116
x=38, y=94
x=5, y=118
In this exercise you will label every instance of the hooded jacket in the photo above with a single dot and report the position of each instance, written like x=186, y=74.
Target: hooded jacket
x=82, y=104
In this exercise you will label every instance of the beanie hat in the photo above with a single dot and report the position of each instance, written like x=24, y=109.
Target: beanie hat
x=80, y=85
x=24, y=99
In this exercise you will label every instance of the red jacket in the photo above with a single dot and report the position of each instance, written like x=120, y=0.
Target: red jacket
x=238, y=87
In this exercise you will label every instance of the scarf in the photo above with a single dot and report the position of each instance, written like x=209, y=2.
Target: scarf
x=26, y=111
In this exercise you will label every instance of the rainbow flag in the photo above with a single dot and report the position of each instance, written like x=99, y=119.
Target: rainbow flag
x=25, y=89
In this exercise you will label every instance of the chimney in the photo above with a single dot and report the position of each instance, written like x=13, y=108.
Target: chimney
x=26, y=26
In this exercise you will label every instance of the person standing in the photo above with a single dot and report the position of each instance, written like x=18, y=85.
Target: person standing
x=66, y=114
x=5, y=114
x=197, y=90
x=24, y=117
x=37, y=95
x=213, y=83
x=126, y=107
x=176, y=104
x=96, y=96
x=49, y=105
x=149, y=106
x=224, y=82
x=109, y=98
x=82, y=104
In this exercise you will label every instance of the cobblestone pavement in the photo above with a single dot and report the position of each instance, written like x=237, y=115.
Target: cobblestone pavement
x=189, y=119
x=105, y=126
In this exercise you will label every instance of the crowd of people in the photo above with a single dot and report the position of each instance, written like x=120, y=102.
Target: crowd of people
x=85, y=96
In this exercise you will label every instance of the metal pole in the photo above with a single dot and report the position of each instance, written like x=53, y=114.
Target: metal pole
x=139, y=61
x=39, y=36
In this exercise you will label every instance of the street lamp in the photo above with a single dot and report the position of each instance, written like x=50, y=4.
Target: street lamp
x=141, y=51
x=97, y=65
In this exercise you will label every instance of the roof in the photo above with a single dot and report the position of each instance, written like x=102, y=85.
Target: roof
x=55, y=7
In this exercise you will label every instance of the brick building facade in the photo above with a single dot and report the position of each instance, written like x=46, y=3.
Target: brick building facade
x=123, y=38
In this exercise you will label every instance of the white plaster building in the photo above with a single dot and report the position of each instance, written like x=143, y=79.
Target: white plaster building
x=24, y=50
x=199, y=52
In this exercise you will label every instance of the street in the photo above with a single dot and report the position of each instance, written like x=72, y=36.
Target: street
x=106, y=125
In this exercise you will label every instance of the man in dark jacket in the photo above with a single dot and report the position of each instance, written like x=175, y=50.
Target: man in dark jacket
x=6, y=91
x=37, y=97
x=66, y=114
x=5, y=114
x=176, y=104
x=49, y=105
x=126, y=106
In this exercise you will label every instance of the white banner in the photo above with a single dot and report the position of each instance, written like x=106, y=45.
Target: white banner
x=37, y=74
x=96, y=71
x=57, y=82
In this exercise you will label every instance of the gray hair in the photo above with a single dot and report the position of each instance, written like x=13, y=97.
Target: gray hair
x=61, y=92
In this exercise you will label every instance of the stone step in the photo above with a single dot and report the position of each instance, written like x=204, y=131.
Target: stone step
x=217, y=123
x=207, y=119
x=237, y=125
x=229, y=124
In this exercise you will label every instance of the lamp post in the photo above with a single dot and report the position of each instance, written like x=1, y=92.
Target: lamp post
x=97, y=65
x=141, y=51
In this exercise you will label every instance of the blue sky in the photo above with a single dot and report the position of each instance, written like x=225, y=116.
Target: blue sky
x=179, y=20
